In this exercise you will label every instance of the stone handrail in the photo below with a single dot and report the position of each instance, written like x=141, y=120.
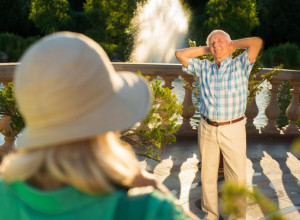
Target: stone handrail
x=170, y=72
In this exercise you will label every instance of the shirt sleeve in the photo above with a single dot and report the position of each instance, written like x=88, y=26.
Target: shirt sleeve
x=245, y=63
x=194, y=67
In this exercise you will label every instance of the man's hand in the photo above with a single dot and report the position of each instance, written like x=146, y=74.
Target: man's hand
x=252, y=44
x=147, y=179
x=184, y=54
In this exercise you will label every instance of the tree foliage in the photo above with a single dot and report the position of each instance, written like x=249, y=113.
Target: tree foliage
x=110, y=22
x=279, y=22
x=237, y=17
x=8, y=107
x=49, y=16
x=14, y=18
x=76, y=5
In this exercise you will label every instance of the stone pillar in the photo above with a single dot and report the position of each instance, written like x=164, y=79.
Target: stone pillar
x=272, y=111
x=188, y=107
x=292, y=112
x=250, y=113
x=5, y=82
x=168, y=80
x=151, y=77
x=9, y=135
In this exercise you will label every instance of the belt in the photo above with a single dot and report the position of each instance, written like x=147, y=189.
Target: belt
x=216, y=124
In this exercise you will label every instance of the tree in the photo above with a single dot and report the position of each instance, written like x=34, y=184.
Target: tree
x=14, y=18
x=49, y=16
x=110, y=21
x=237, y=17
x=279, y=22
x=195, y=6
x=77, y=5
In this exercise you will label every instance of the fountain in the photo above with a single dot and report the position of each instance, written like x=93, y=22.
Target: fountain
x=161, y=27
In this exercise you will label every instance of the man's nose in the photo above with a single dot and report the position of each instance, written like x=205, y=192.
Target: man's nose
x=215, y=44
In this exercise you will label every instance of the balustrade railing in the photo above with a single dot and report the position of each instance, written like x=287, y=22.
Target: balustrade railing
x=170, y=72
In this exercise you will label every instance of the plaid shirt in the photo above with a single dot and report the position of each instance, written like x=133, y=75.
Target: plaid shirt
x=223, y=91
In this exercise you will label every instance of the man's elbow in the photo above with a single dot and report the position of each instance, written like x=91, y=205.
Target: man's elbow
x=259, y=42
x=177, y=54
x=182, y=59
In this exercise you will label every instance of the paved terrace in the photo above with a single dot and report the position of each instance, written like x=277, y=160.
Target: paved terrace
x=271, y=166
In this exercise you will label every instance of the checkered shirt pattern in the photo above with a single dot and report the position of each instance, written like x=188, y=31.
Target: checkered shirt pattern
x=223, y=91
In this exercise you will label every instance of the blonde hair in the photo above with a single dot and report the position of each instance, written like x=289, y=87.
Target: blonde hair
x=93, y=166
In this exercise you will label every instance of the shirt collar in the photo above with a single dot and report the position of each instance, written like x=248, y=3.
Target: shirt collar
x=225, y=62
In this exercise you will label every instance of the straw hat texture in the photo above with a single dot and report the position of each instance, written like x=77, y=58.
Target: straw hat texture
x=68, y=90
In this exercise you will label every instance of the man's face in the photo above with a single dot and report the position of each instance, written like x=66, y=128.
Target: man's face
x=219, y=46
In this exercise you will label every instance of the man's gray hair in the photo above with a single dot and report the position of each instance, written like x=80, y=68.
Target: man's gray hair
x=217, y=31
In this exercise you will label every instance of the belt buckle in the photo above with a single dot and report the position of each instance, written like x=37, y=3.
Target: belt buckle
x=217, y=124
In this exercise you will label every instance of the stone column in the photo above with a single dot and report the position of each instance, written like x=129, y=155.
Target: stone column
x=5, y=82
x=250, y=113
x=168, y=80
x=151, y=77
x=9, y=135
x=292, y=112
x=272, y=111
x=188, y=107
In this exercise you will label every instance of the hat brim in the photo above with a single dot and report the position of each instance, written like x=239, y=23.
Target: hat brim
x=129, y=104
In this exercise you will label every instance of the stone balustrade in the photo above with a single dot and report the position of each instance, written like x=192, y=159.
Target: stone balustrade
x=170, y=72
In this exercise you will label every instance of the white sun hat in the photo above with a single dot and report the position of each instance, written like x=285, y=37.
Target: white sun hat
x=68, y=90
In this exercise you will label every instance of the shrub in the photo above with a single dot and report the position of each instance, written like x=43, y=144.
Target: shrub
x=287, y=54
x=158, y=129
x=14, y=46
x=9, y=108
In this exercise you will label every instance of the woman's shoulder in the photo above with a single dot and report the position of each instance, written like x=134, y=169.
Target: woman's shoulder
x=147, y=203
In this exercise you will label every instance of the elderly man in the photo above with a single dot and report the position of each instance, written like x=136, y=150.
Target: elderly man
x=223, y=100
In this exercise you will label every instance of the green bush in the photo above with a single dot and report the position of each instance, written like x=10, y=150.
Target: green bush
x=160, y=126
x=9, y=108
x=14, y=46
x=287, y=54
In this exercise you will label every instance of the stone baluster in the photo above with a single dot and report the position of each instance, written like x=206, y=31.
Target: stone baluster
x=292, y=112
x=9, y=135
x=168, y=80
x=188, y=107
x=150, y=77
x=5, y=82
x=251, y=113
x=272, y=111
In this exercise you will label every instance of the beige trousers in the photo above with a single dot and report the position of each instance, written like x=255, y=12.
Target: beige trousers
x=231, y=141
